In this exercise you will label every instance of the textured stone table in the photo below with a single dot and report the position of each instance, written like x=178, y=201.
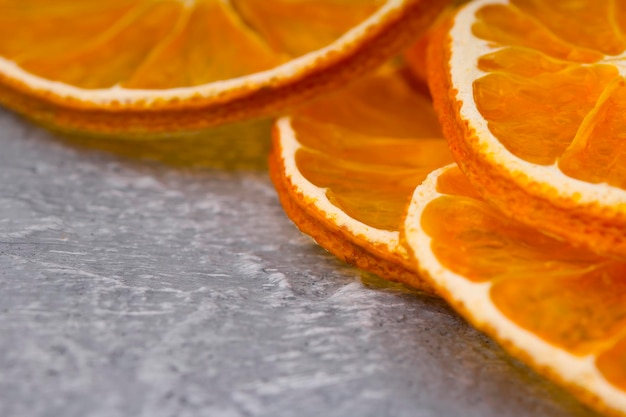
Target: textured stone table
x=133, y=284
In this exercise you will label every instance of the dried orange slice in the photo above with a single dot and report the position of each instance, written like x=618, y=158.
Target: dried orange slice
x=560, y=308
x=146, y=66
x=531, y=95
x=345, y=166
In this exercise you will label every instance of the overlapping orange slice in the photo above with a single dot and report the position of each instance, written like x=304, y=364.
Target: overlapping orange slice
x=153, y=66
x=345, y=167
x=532, y=96
x=560, y=308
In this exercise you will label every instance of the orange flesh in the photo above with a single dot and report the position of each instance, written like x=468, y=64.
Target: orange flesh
x=597, y=154
x=195, y=54
x=372, y=194
x=53, y=28
x=537, y=118
x=139, y=30
x=567, y=296
x=619, y=15
x=504, y=25
x=385, y=105
x=539, y=101
x=581, y=310
x=589, y=24
x=281, y=22
x=521, y=61
x=189, y=43
x=370, y=156
x=477, y=242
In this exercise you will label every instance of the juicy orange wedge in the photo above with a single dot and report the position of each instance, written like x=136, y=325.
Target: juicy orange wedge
x=531, y=95
x=345, y=166
x=560, y=308
x=145, y=66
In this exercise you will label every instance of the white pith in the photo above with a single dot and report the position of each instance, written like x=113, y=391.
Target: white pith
x=317, y=196
x=122, y=96
x=467, y=48
x=475, y=297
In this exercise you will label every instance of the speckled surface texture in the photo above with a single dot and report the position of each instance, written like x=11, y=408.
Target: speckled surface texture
x=142, y=288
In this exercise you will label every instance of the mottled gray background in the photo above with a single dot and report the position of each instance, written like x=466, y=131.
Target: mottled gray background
x=163, y=279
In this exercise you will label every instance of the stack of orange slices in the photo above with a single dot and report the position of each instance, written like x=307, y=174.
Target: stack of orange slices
x=525, y=236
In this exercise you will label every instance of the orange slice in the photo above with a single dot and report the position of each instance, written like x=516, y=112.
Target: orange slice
x=560, y=308
x=145, y=66
x=345, y=166
x=531, y=95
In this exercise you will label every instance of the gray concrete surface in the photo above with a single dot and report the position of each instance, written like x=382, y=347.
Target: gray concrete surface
x=133, y=284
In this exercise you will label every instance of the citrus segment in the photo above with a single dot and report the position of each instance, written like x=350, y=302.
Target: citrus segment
x=374, y=194
x=193, y=53
x=537, y=118
x=518, y=60
x=596, y=154
x=509, y=26
x=563, y=18
x=560, y=308
x=53, y=27
x=300, y=27
x=142, y=66
x=345, y=166
x=473, y=228
x=83, y=66
x=532, y=112
x=552, y=306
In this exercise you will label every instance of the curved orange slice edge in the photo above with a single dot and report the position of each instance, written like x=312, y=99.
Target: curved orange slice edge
x=145, y=67
x=559, y=308
x=530, y=95
x=345, y=165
